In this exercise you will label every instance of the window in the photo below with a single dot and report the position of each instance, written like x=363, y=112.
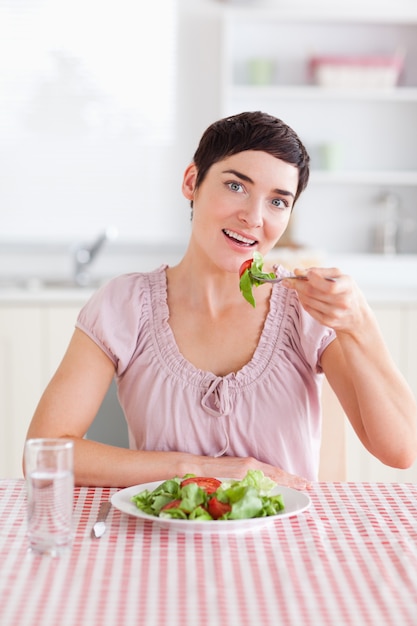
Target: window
x=87, y=107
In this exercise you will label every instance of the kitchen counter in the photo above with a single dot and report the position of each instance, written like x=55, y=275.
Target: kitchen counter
x=382, y=278
x=375, y=295
x=17, y=295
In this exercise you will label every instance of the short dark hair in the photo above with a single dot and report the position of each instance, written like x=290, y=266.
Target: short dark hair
x=251, y=131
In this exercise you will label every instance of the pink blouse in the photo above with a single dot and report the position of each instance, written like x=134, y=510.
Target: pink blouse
x=270, y=409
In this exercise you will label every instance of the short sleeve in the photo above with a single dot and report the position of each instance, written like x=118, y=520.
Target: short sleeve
x=305, y=335
x=112, y=316
x=314, y=339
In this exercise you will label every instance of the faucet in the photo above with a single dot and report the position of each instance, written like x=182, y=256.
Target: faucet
x=85, y=254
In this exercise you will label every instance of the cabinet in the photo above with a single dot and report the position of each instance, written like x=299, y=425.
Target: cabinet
x=361, y=141
x=33, y=339
x=20, y=381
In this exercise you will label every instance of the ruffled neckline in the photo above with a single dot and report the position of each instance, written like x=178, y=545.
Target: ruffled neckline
x=172, y=358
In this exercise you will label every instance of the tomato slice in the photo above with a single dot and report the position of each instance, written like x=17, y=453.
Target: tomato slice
x=245, y=266
x=217, y=508
x=174, y=504
x=210, y=485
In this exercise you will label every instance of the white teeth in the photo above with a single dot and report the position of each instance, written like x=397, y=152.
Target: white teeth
x=231, y=233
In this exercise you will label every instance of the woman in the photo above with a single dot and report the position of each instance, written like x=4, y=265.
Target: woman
x=208, y=383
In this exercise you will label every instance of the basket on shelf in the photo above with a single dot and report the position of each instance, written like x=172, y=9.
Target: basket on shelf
x=356, y=71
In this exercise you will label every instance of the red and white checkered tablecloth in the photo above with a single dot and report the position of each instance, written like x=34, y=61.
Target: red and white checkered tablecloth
x=350, y=559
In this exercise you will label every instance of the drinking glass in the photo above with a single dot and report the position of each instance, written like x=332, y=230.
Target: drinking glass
x=49, y=469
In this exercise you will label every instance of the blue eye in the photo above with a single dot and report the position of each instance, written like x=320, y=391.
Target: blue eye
x=278, y=202
x=235, y=186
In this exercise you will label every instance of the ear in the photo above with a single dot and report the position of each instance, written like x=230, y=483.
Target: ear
x=188, y=183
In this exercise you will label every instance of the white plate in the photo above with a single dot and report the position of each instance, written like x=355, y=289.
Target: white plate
x=295, y=502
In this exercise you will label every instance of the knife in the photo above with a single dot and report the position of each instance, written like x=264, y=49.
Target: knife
x=99, y=527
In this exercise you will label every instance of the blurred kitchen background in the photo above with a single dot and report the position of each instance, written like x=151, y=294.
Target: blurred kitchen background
x=101, y=108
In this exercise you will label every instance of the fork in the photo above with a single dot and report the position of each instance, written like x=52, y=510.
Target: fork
x=278, y=280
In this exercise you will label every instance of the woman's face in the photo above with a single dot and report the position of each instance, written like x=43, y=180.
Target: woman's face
x=243, y=204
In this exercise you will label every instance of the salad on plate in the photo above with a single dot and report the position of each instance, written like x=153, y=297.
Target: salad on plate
x=208, y=499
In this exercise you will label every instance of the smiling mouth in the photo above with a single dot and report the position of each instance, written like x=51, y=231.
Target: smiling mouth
x=239, y=239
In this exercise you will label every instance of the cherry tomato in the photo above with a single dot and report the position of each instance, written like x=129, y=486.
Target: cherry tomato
x=210, y=485
x=245, y=266
x=217, y=508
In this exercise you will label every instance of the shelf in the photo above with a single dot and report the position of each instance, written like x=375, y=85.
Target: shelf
x=307, y=92
x=400, y=12
x=365, y=136
x=400, y=178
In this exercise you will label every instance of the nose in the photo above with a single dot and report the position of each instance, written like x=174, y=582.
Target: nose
x=252, y=214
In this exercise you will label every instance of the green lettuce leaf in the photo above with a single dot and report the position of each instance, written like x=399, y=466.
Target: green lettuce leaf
x=248, y=280
x=257, y=479
x=176, y=513
x=151, y=502
x=200, y=514
x=192, y=496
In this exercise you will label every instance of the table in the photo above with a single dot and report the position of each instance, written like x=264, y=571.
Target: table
x=351, y=558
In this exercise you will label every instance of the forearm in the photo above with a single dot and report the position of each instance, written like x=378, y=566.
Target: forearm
x=102, y=465
x=382, y=408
